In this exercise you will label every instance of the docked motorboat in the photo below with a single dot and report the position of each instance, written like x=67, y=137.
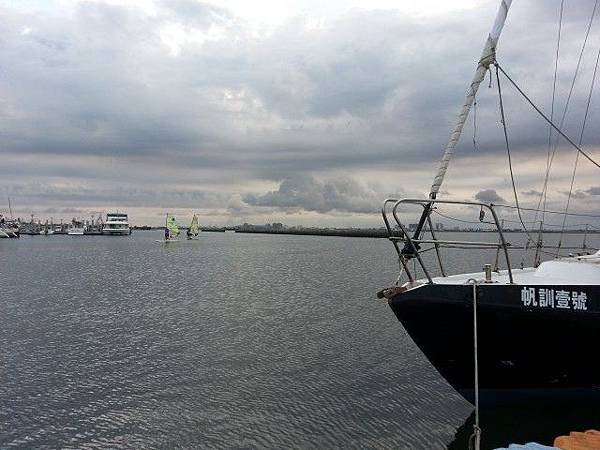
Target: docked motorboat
x=76, y=228
x=117, y=224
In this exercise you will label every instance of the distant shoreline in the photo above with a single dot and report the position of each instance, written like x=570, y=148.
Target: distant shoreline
x=349, y=232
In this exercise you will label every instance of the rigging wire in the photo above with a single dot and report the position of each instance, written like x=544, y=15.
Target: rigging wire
x=587, y=109
x=547, y=211
x=539, y=111
x=472, y=222
x=550, y=129
x=550, y=121
x=562, y=120
x=550, y=157
x=575, y=226
x=572, y=87
x=512, y=176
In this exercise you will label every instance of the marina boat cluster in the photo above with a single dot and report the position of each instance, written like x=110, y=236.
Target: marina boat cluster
x=115, y=224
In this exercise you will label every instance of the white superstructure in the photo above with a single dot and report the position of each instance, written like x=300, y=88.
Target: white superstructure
x=75, y=230
x=116, y=224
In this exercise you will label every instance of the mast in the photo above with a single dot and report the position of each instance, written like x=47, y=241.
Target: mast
x=488, y=55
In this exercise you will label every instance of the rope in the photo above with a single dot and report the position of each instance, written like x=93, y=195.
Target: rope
x=476, y=435
x=539, y=111
x=475, y=146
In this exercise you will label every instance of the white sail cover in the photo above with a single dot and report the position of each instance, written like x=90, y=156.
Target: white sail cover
x=487, y=57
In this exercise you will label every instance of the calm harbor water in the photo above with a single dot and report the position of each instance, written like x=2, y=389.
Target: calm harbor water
x=232, y=341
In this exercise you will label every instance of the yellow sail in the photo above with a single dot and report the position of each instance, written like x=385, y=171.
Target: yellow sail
x=194, y=227
x=172, y=226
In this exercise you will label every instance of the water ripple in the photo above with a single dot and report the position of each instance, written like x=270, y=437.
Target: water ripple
x=231, y=342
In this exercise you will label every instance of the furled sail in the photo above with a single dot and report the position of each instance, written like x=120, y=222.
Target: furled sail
x=487, y=57
x=172, y=226
x=194, y=226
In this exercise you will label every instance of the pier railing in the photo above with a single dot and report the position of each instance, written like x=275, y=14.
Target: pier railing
x=412, y=245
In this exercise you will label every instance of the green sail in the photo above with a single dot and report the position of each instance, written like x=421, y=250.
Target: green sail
x=194, y=227
x=172, y=226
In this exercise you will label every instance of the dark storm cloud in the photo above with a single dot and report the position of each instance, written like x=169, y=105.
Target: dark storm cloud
x=368, y=90
x=532, y=192
x=576, y=194
x=594, y=190
x=311, y=195
x=56, y=195
x=489, y=196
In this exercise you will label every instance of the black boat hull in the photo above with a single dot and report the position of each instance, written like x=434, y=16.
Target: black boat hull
x=527, y=345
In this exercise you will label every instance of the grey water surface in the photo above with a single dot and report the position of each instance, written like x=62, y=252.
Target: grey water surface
x=233, y=341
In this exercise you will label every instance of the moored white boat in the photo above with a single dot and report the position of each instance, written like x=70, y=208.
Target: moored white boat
x=76, y=228
x=117, y=224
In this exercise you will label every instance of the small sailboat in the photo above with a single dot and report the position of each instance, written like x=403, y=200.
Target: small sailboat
x=171, y=230
x=194, y=229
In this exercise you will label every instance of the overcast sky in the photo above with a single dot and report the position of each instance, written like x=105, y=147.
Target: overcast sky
x=302, y=112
